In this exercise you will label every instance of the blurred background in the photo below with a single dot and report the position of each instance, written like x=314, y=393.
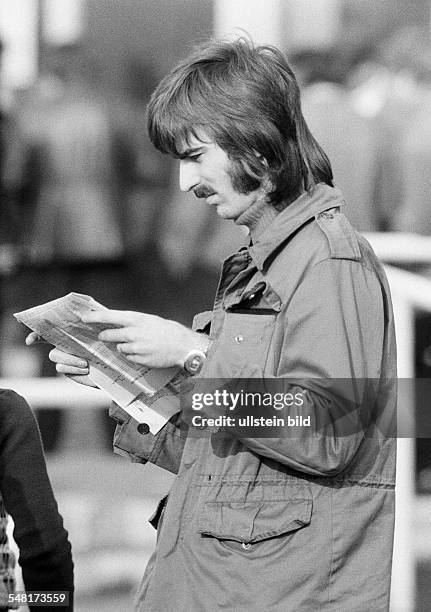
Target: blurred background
x=88, y=205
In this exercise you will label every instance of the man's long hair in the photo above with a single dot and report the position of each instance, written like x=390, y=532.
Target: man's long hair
x=245, y=98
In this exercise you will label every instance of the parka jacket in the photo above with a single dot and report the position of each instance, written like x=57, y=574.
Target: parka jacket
x=286, y=524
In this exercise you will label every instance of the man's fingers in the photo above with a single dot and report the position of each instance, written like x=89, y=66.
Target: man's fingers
x=124, y=334
x=136, y=359
x=130, y=348
x=112, y=317
x=33, y=338
x=65, y=359
x=70, y=370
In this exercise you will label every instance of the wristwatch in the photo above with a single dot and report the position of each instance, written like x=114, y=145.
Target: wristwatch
x=194, y=361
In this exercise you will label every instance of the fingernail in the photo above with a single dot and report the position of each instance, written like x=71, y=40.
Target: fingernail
x=83, y=365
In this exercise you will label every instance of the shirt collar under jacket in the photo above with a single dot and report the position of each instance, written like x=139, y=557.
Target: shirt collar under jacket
x=316, y=200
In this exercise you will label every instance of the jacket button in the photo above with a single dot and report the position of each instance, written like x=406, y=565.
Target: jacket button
x=143, y=428
x=239, y=338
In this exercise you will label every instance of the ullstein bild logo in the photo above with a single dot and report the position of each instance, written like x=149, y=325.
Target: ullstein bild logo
x=251, y=421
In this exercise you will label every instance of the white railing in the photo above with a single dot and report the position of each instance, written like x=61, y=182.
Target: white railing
x=401, y=248
x=53, y=392
x=410, y=292
x=403, y=567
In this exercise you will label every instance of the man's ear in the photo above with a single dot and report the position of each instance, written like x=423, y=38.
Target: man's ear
x=267, y=185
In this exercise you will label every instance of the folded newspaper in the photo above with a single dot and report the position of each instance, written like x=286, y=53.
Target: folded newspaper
x=149, y=395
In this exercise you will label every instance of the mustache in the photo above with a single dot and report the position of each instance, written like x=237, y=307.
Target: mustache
x=203, y=192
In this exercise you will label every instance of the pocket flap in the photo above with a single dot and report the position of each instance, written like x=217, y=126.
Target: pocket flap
x=254, y=521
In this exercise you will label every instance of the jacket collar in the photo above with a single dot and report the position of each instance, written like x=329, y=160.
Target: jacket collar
x=316, y=200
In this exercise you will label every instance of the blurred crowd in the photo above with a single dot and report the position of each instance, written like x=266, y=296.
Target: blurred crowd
x=369, y=108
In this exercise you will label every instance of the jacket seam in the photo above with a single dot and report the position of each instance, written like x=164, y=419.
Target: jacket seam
x=246, y=500
x=360, y=262
x=292, y=481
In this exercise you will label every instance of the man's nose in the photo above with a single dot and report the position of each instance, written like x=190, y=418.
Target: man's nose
x=189, y=177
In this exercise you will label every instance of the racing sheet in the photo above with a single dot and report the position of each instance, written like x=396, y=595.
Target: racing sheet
x=149, y=395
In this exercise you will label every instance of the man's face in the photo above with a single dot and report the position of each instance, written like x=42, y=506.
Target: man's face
x=206, y=170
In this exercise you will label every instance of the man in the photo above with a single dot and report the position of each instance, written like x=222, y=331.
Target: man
x=273, y=520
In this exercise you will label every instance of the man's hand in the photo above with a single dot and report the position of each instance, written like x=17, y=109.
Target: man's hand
x=147, y=339
x=73, y=367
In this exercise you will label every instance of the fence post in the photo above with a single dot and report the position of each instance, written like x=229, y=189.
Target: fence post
x=403, y=566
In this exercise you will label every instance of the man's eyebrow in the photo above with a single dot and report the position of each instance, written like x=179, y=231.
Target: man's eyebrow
x=190, y=152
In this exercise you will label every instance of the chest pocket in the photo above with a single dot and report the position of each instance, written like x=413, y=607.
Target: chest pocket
x=249, y=326
x=246, y=331
x=246, y=337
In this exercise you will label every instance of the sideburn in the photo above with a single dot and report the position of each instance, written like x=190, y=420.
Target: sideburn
x=242, y=182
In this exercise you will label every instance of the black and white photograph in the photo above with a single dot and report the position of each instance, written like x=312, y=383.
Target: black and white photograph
x=215, y=305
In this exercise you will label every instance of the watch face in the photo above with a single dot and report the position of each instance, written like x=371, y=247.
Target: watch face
x=194, y=362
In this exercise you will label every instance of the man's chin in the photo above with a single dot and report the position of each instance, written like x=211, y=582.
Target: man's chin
x=223, y=213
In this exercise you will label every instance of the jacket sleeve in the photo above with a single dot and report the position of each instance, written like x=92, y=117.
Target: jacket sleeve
x=45, y=551
x=164, y=449
x=330, y=353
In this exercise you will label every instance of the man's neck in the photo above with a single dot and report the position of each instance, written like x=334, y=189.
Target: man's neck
x=257, y=217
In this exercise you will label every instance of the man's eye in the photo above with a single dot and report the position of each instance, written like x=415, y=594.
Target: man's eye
x=194, y=157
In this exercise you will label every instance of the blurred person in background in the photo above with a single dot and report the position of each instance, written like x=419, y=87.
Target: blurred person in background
x=414, y=158
x=2, y=130
x=347, y=137
x=385, y=90
x=65, y=167
x=69, y=166
x=148, y=193
x=26, y=495
x=8, y=215
x=247, y=513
